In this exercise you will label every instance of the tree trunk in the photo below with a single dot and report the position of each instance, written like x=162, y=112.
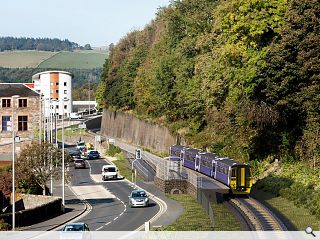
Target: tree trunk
x=44, y=189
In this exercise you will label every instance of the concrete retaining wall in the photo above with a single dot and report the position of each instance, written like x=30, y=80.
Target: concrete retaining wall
x=176, y=186
x=130, y=129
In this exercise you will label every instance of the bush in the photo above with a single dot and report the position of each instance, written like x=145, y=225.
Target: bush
x=273, y=184
x=113, y=150
x=4, y=226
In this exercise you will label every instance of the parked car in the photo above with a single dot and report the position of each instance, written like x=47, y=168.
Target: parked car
x=74, y=116
x=138, y=198
x=79, y=163
x=109, y=172
x=80, y=145
x=93, y=154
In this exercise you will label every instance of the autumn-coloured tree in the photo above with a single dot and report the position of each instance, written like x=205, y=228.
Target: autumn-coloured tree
x=39, y=162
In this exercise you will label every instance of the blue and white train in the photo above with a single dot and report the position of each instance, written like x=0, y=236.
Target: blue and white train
x=231, y=173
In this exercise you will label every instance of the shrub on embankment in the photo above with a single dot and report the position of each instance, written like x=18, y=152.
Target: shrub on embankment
x=239, y=78
x=297, y=184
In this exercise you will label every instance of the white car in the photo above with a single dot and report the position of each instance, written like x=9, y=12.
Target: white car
x=109, y=172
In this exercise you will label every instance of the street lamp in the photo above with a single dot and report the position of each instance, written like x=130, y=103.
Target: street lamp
x=13, y=164
x=63, y=198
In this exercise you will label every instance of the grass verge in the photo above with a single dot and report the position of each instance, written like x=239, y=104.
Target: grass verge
x=124, y=167
x=297, y=218
x=194, y=217
x=224, y=220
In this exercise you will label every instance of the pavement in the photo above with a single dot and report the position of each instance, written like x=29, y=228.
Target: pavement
x=73, y=209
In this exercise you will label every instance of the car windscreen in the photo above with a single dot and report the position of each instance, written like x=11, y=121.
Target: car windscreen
x=73, y=228
x=93, y=152
x=78, y=161
x=139, y=194
x=110, y=169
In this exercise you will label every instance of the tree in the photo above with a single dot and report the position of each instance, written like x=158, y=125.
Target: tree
x=39, y=162
x=87, y=47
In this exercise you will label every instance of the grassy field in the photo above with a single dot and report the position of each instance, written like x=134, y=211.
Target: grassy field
x=124, y=167
x=79, y=60
x=22, y=59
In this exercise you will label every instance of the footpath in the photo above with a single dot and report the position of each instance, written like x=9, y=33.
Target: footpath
x=74, y=208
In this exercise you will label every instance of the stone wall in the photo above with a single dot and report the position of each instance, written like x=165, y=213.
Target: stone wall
x=130, y=129
x=33, y=209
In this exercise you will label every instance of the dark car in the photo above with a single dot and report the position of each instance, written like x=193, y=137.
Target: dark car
x=74, y=154
x=93, y=154
x=79, y=163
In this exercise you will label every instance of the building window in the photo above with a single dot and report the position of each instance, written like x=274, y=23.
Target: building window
x=57, y=91
x=65, y=106
x=57, y=84
x=6, y=103
x=57, y=106
x=6, y=123
x=22, y=123
x=51, y=91
x=23, y=103
x=51, y=84
x=65, y=84
x=65, y=91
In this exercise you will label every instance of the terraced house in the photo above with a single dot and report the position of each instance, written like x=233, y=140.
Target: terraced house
x=23, y=108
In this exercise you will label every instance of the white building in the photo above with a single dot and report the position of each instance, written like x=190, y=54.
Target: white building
x=55, y=86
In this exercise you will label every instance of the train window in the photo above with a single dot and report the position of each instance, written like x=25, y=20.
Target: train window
x=233, y=173
x=248, y=172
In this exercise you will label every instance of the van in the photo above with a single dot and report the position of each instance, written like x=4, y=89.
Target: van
x=109, y=172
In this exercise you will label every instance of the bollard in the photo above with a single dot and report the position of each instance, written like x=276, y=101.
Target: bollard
x=147, y=226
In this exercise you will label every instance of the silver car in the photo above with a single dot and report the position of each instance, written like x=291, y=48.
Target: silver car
x=138, y=198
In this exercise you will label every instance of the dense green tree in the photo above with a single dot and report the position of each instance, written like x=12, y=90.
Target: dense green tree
x=237, y=76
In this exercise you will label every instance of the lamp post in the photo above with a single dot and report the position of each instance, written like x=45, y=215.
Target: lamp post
x=13, y=165
x=63, y=198
x=51, y=141
x=40, y=118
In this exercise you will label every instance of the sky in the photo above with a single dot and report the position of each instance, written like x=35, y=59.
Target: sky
x=97, y=22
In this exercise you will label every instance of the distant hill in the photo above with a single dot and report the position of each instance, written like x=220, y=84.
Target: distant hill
x=40, y=44
x=79, y=60
x=84, y=59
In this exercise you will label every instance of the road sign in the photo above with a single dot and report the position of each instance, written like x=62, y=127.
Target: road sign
x=138, y=153
x=98, y=138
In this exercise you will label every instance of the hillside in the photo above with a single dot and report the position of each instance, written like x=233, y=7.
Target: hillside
x=237, y=77
x=23, y=59
x=80, y=60
x=84, y=59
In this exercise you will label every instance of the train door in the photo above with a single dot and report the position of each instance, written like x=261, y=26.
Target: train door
x=182, y=156
x=197, y=163
x=241, y=176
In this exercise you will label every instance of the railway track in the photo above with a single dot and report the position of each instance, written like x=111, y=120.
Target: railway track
x=259, y=217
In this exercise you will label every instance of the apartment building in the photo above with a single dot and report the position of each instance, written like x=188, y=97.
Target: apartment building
x=55, y=86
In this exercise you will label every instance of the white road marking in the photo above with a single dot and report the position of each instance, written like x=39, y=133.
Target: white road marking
x=97, y=178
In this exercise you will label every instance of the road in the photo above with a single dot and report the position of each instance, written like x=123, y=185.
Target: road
x=109, y=200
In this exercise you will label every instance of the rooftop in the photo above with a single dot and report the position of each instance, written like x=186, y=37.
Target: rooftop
x=10, y=89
